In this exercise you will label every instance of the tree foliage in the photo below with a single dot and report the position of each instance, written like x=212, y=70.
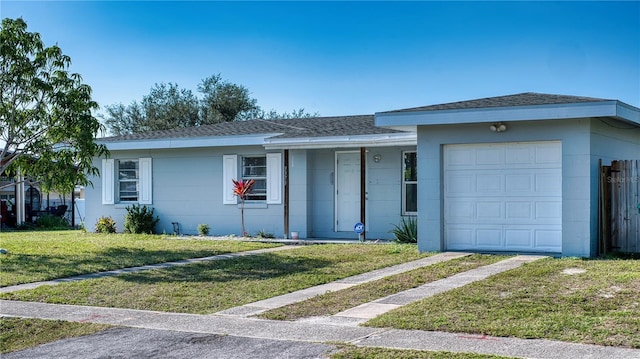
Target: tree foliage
x=224, y=101
x=46, y=125
x=167, y=106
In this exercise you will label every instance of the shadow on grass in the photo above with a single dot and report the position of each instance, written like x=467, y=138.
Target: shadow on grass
x=619, y=256
x=30, y=268
x=257, y=267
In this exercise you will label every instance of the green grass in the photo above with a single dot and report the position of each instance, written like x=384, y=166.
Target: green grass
x=539, y=300
x=213, y=286
x=335, y=302
x=353, y=352
x=18, y=333
x=37, y=256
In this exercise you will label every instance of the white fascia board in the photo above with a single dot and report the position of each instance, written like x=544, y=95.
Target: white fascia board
x=221, y=141
x=504, y=114
x=628, y=113
x=388, y=140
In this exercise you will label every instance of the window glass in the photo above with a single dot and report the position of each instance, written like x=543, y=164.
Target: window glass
x=255, y=168
x=409, y=183
x=128, y=175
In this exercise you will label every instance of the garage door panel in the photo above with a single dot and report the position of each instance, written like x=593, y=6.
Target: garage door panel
x=459, y=238
x=491, y=183
x=464, y=183
x=461, y=211
x=461, y=157
x=489, y=156
x=518, y=210
x=519, y=238
x=519, y=155
x=489, y=210
x=488, y=238
x=503, y=196
x=521, y=183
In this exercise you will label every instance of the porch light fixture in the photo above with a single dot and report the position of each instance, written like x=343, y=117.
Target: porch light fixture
x=377, y=158
x=498, y=127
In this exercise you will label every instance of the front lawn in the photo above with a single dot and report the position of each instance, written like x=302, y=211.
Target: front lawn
x=18, y=333
x=213, y=286
x=574, y=300
x=354, y=352
x=38, y=256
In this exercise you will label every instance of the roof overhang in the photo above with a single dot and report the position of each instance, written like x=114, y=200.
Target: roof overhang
x=269, y=141
x=611, y=109
x=377, y=140
x=164, y=143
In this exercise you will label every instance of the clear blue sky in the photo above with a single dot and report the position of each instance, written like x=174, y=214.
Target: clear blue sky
x=341, y=58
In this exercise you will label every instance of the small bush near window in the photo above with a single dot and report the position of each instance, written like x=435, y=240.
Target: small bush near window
x=140, y=219
x=51, y=222
x=407, y=231
x=203, y=229
x=105, y=225
x=264, y=234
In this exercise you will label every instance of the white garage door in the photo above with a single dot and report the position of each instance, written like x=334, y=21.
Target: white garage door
x=503, y=197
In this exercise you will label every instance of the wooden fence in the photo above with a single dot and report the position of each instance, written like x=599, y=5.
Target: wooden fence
x=619, y=207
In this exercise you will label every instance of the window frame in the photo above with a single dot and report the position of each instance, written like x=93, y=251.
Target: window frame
x=135, y=180
x=406, y=183
x=251, y=198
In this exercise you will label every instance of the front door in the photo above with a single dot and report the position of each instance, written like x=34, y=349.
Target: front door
x=347, y=190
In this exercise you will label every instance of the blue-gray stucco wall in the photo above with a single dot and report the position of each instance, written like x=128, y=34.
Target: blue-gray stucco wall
x=584, y=141
x=187, y=188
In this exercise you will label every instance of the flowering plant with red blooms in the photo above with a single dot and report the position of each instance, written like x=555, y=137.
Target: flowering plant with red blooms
x=242, y=189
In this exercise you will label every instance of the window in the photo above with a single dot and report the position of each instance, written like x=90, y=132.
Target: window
x=265, y=170
x=126, y=180
x=255, y=168
x=409, y=183
x=128, y=177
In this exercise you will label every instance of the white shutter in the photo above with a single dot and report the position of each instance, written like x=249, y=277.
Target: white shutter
x=107, y=177
x=145, y=194
x=229, y=172
x=274, y=178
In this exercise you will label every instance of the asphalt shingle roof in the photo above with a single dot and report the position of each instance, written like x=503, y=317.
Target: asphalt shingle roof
x=522, y=99
x=290, y=128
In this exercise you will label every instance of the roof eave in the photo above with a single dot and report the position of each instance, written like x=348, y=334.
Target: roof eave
x=378, y=140
x=613, y=109
x=164, y=143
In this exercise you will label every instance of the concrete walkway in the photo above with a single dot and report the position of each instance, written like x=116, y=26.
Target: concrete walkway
x=339, y=328
x=315, y=332
x=304, y=294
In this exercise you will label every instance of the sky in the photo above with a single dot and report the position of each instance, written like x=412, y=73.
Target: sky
x=347, y=58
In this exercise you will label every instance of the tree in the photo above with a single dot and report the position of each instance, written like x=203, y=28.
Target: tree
x=46, y=125
x=167, y=106
x=123, y=120
x=224, y=101
x=274, y=115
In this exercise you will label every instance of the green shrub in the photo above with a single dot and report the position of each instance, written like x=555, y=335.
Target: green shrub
x=203, y=229
x=140, y=219
x=52, y=222
x=264, y=234
x=407, y=231
x=105, y=225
